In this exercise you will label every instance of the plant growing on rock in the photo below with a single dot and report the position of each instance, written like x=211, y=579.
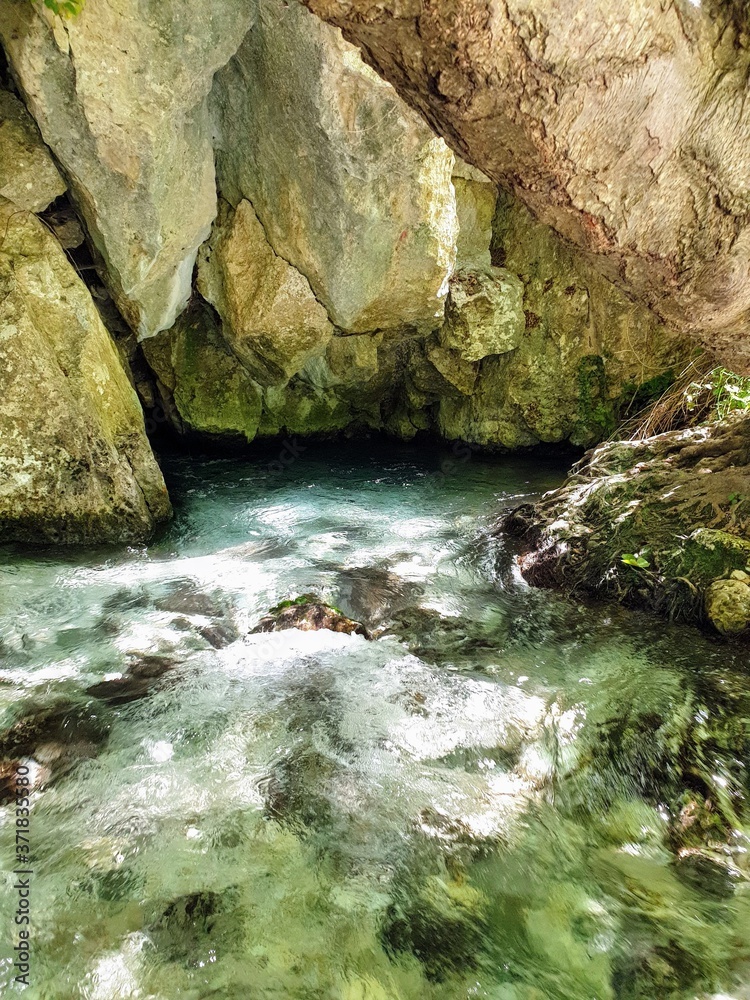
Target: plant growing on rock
x=65, y=8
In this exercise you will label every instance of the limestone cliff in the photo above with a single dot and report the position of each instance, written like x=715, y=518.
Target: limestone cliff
x=351, y=273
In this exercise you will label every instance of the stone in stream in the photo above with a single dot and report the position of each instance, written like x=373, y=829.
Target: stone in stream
x=219, y=634
x=308, y=614
x=441, y=921
x=184, y=597
x=375, y=592
x=137, y=682
x=56, y=737
x=194, y=927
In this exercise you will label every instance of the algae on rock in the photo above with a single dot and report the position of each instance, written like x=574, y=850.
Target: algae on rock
x=657, y=521
x=585, y=347
x=75, y=463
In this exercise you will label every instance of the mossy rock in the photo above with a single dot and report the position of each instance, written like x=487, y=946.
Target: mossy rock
x=308, y=614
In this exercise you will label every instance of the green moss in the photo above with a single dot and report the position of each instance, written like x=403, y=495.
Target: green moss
x=213, y=393
x=596, y=412
x=707, y=555
x=293, y=602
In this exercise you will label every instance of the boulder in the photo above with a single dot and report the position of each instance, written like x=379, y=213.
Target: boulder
x=728, y=606
x=28, y=175
x=119, y=94
x=351, y=187
x=309, y=614
x=56, y=737
x=75, y=463
x=271, y=319
x=663, y=522
x=484, y=314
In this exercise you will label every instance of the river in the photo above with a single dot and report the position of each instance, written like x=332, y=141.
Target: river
x=505, y=794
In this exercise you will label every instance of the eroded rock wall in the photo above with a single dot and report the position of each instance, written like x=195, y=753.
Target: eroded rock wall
x=352, y=273
x=625, y=126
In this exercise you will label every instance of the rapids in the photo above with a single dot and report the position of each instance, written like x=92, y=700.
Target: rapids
x=505, y=794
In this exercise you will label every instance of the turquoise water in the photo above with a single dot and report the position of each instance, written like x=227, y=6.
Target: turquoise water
x=506, y=794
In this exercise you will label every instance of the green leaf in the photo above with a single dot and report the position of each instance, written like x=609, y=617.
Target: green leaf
x=631, y=560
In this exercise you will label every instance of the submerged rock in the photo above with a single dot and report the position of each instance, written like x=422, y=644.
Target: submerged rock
x=198, y=928
x=55, y=737
x=28, y=175
x=75, y=463
x=442, y=922
x=664, y=521
x=308, y=614
x=138, y=681
x=184, y=597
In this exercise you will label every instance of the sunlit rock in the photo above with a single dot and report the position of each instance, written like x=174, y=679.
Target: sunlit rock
x=352, y=187
x=476, y=200
x=309, y=614
x=75, y=463
x=484, y=315
x=28, y=175
x=663, y=521
x=119, y=94
x=270, y=317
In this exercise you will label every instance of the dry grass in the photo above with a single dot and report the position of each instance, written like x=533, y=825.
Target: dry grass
x=702, y=391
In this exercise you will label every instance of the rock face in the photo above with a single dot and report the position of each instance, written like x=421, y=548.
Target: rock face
x=625, y=127
x=357, y=276
x=542, y=349
x=584, y=347
x=119, y=94
x=351, y=187
x=664, y=521
x=271, y=319
x=476, y=202
x=75, y=464
x=331, y=270
x=28, y=175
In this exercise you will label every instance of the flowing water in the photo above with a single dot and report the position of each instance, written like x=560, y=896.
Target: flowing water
x=505, y=794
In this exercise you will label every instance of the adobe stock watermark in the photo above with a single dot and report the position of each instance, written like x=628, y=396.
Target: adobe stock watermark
x=23, y=873
x=291, y=450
